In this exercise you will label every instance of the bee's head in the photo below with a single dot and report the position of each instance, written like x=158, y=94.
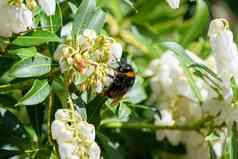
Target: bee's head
x=124, y=68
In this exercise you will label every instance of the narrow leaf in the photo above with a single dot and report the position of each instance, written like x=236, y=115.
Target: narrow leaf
x=198, y=24
x=233, y=147
x=37, y=94
x=83, y=16
x=37, y=38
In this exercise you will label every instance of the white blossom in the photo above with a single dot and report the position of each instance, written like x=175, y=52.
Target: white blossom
x=49, y=6
x=173, y=3
x=94, y=151
x=87, y=130
x=115, y=53
x=66, y=30
x=225, y=52
x=14, y=19
x=56, y=127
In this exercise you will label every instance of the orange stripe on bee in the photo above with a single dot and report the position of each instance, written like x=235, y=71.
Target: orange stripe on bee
x=130, y=74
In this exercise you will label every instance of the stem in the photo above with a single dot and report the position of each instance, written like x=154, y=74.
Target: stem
x=49, y=113
x=124, y=125
x=51, y=24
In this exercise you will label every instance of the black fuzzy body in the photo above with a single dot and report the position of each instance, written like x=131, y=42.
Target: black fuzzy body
x=121, y=81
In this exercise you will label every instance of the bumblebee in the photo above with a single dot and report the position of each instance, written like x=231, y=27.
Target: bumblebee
x=122, y=81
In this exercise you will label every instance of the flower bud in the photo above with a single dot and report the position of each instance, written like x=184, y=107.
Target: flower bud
x=65, y=136
x=66, y=150
x=90, y=34
x=226, y=54
x=94, y=151
x=87, y=130
x=48, y=6
x=174, y=4
x=62, y=114
x=56, y=127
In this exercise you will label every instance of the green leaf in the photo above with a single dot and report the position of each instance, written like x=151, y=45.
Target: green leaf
x=185, y=62
x=97, y=20
x=212, y=152
x=83, y=15
x=29, y=67
x=37, y=38
x=80, y=106
x=36, y=116
x=7, y=100
x=8, y=153
x=137, y=93
x=5, y=64
x=124, y=112
x=37, y=94
x=61, y=91
x=88, y=17
x=57, y=19
x=24, y=52
x=198, y=23
x=110, y=151
x=12, y=131
x=233, y=147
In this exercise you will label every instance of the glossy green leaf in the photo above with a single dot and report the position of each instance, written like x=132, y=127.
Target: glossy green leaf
x=88, y=17
x=97, y=21
x=57, y=19
x=233, y=144
x=29, y=67
x=24, y=52
x=37, y=94
x=61, y=91
x=124, y=112
x=37, y=38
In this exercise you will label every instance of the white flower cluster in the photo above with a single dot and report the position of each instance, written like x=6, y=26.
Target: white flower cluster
x=75, y=137
x=174, y=95
x=91, y=57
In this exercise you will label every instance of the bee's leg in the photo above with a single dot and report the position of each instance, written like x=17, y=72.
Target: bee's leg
x=111, y=76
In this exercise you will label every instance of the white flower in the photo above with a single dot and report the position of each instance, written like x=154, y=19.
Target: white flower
x=99, y=87
x=173, y=3
x=226, y=54
x=94, y=151
x=66, y=150
x=62, y=114
x=90, y=33
x=14, y=19
x=56, y=127
x=48, y=6
x=115, y=53
x=65, y=136
x=66, y=30
x=167, y=118
x=87, y=130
